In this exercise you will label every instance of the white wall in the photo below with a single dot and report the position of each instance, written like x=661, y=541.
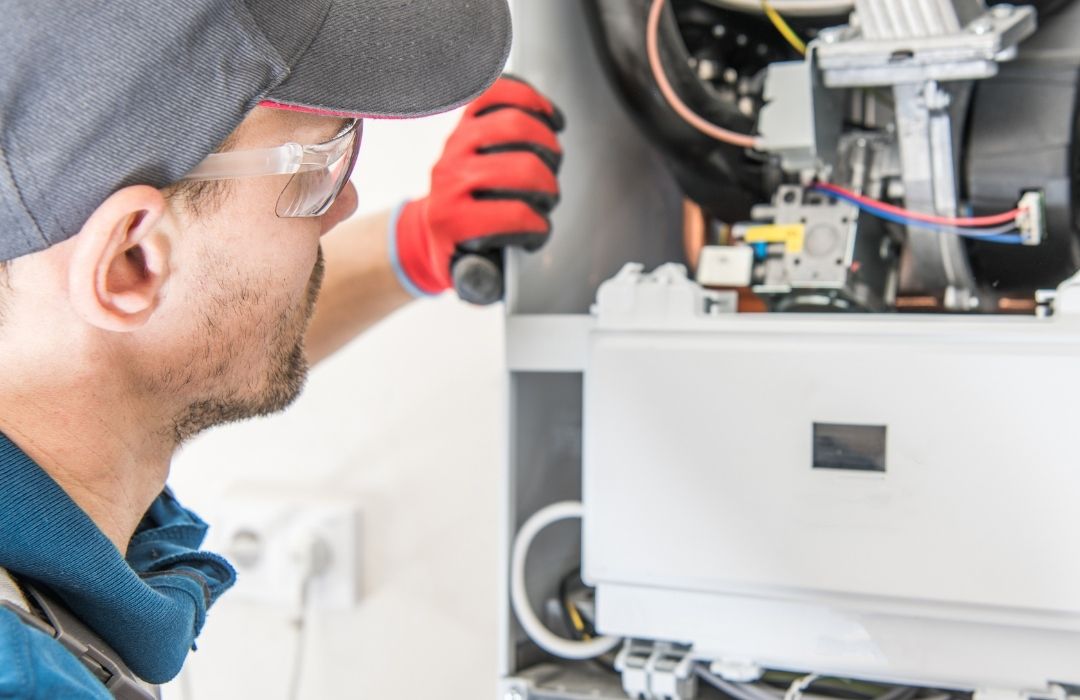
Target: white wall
x=408, y=420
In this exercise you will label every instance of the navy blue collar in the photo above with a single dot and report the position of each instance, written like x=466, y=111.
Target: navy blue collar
x=149, y=607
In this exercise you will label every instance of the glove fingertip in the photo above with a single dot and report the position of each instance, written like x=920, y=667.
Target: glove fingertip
x=557, y=120
x=537, y=243
x=553, y=116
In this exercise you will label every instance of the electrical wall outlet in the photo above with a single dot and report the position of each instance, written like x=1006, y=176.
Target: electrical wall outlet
x=275, y=541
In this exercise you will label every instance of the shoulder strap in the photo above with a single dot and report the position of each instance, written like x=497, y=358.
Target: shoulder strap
x=49, y=616
x=10, y=591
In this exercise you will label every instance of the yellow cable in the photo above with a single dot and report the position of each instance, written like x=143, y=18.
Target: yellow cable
x=575, y=617
x=783, y=27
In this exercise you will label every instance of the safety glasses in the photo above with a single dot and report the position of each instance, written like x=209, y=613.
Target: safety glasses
x=319, y=172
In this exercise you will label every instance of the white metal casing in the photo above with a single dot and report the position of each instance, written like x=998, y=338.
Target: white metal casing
x=706, y=523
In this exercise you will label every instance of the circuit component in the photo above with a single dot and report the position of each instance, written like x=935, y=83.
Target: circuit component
x=813, y=253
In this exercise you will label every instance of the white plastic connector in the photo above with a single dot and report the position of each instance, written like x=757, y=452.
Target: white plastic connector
x=737, y=670
x=1032, y=219
x=725, y=266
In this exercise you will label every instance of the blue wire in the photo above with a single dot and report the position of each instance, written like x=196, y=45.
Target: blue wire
x=999, y=237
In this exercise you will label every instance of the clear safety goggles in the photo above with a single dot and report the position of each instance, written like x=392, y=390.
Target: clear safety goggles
x=319, y=172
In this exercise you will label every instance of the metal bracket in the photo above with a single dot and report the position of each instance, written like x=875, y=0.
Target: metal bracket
x=940, y=40
x=657, y=671
x=928, y=150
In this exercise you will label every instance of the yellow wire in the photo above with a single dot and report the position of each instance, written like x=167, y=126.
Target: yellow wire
x=575, y=618
x=783, y=27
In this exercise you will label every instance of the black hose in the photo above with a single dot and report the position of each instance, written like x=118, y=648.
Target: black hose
x=720, y=177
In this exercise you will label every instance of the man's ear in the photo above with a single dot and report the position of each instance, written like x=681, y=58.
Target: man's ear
x=120, y=261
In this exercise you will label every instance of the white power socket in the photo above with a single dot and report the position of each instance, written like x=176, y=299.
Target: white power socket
x=269, y=539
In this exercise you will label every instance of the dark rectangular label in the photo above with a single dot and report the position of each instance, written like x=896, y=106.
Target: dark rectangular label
x=853, y=447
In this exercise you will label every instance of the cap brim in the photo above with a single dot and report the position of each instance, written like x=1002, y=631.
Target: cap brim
x=394, y=59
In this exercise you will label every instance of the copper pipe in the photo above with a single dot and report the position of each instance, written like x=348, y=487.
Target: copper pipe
x=693, y=232
x=1016, y=305
x=918, y=303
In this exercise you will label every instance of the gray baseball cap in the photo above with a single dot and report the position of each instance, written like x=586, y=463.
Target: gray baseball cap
x=96, y=95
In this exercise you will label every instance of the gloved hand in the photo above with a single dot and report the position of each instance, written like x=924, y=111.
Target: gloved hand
x=493, y=186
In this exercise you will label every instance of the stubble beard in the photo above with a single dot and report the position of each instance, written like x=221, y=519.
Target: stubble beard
x=286, y=375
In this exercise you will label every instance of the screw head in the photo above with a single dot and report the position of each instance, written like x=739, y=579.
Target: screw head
x=934, y=98
x=981, y=26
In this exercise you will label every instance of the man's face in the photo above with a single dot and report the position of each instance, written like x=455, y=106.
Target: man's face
x=242, y=287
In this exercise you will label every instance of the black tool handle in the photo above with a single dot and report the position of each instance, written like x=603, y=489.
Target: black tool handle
x=478, y=277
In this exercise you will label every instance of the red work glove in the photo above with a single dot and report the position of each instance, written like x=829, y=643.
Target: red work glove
x=493, y=187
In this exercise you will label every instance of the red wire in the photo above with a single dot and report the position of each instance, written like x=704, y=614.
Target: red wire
x=652, y=49
x=992, y=220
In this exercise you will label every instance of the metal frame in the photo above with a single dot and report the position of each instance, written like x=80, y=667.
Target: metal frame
x=619, y=203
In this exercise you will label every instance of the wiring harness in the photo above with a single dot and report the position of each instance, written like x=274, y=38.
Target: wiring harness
x=997, y=228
